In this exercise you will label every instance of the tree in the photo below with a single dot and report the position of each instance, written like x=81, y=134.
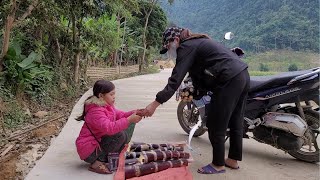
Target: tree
x=147, y=12
x=259, y=25
x=12, y=21
x=123, y=11
x=100, y=35
x=68, y=30
x=77, y=11
x=156, y=26
x=55, y=37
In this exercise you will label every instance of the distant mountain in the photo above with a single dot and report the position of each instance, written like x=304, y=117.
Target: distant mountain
x=259, y=25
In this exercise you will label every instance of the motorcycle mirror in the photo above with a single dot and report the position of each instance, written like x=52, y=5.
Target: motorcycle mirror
x=228, y=36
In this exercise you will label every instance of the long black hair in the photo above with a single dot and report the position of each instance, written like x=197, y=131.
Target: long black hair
x=99, y=87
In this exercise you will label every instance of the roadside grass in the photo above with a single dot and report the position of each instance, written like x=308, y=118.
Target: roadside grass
x=280, y=61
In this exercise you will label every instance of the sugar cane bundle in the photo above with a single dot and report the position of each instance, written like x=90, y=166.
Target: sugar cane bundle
x=131, y=161
x=157, y=155
x=143, y=147
x=171, y=148
x=149, y=168
x=132, y=155
x=138, y=147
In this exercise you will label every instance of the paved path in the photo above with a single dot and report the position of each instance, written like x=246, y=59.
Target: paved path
x=260, y=161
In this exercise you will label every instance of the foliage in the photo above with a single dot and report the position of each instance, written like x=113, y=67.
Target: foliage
x=156, y=26
x=14, y=115
x=157, y=22
x=258, y=25
x=26, y=73
x=101, y=35
x=264, y=67
x=58, y=39
x=5, y=93
x=280, y=60
x=153, y=54
x=293, y=67
x=261, y=73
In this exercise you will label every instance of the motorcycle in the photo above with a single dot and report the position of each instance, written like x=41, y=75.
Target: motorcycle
x=281, y=110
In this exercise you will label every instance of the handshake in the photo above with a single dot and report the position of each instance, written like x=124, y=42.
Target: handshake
x=142, y=112
x=138, y=115
x=147, y=112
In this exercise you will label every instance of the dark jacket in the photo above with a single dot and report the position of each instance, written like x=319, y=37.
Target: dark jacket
x=208, y=63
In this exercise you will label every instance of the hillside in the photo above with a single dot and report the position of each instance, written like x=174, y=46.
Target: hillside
x=258, y=25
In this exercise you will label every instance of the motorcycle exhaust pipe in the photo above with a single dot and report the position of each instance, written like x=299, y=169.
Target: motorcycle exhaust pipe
x=281, y=130
x=290, y=123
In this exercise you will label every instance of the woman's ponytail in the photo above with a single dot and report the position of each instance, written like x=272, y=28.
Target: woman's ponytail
x=186, y=34
x=81, y=118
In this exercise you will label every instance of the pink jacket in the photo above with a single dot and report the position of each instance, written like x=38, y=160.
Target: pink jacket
x=102, y=119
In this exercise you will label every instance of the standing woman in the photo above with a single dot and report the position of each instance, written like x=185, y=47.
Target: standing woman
x=212, y=67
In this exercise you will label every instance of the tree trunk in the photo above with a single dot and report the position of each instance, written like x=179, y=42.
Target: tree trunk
x=73, y=26
x=6, y=39
x=114, y=57
x=140, y=64
x=7, y=30
x=64, y=49
x=76, y=66
x=59, y=54
x=144, y=41
x=85, y=65
x=123, y=38
x=115, y=54
x=144, y=35
x=77, y=51
x=10, y=22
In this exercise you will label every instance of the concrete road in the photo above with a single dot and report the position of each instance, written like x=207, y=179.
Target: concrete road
x=260, y=162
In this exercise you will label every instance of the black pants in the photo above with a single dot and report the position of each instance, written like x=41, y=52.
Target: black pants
x=226, y=109
x=109, y=144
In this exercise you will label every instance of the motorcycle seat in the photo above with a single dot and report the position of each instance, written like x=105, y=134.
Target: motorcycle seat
x=266, y=82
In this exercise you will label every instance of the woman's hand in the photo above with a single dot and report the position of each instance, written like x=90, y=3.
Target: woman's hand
x=134, y=118
x=141, y=112
x=151, y=108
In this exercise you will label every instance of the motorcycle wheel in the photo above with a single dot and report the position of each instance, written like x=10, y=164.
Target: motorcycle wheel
x=309, y=151
x=188, y=116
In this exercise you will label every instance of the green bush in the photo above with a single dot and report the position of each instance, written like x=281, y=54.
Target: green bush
x=5, y=92
x=293, y=67
x=264, y=67
x=260, y=73
x=26, y=74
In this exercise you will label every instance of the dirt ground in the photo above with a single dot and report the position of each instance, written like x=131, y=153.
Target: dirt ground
x=27, y=148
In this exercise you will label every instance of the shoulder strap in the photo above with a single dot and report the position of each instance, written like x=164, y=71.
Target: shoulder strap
x=94, y=136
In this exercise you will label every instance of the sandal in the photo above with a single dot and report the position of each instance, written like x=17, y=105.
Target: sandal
x=101, y=169
x=232, y=167
x=208, y=169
